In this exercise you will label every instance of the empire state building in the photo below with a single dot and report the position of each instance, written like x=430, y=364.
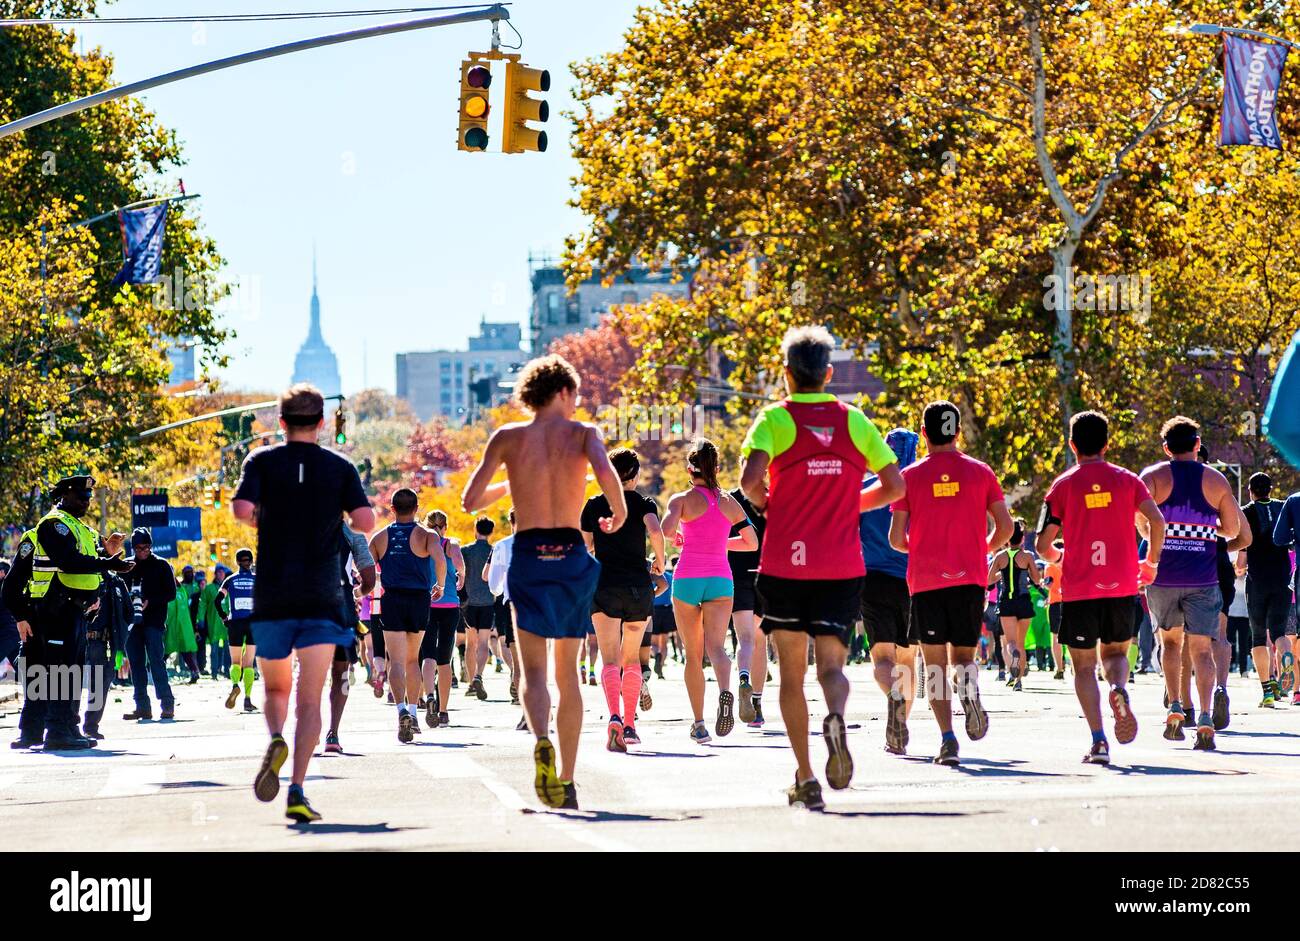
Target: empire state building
x=315, y=362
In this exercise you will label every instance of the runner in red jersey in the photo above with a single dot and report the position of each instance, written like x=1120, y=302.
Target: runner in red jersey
x=1092, y=505
x=816, y=450
x=942, y=524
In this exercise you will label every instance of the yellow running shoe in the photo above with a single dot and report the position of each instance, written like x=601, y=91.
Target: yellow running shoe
x=546, y=781
x=267, y=783
x=298, y=810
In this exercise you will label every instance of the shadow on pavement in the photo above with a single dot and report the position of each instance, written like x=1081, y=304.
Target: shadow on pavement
x=1160, y=769
x=984, y=768
x=886, y=814
x=320, y=829
x=667, y=754
x=1233, y=733
x=610, y=816
x=84, y=752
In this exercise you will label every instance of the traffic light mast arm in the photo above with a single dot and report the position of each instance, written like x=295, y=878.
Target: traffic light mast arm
x=493, y=12
x=234, y=410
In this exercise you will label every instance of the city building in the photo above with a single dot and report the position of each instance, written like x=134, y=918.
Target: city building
x=555, y=312
x=181, y=357
x=315, y=362
x=438, y=382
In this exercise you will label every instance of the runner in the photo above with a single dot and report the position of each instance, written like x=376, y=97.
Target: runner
x=663, y=625
x=747, y=617
x=624, y=596
x=480, y=609
x=1268, y=590
x=885, y=604
x=1052, y=576
x=375, y=640
x=236, y=593
x=444, y=618
x=1198, y=506
x=1092, y=505
x=552, y=577
x=503, y=617
x=815, y=449
x=403, y=549
x=1013, y=569
x=941, y=523
x=354, y=559
x=702, y=586
x=295, y=493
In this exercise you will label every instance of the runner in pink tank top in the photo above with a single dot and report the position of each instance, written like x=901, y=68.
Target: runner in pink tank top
x=701, y=519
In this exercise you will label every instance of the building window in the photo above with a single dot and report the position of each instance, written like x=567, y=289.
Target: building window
x=553, y=308
x=572, y=312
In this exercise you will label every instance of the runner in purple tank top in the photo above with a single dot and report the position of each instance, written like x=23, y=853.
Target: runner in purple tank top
x=1198, y=506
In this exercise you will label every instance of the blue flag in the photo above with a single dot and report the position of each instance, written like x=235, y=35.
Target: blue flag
x=186, y=522
x=142, y=244
x=164, y=542
x=1252, y=74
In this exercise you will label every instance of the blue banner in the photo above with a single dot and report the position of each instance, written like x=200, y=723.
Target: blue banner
x=149, y=507
x=186, y=522
x=142, y=244
x=164, y=542
x=1252, y=74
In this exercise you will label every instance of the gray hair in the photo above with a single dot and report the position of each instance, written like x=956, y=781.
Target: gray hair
x=807, y=352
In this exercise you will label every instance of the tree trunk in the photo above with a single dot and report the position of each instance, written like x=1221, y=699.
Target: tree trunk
x=1063, y=341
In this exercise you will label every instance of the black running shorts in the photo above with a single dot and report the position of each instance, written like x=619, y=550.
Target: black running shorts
x=746, y=597
x=632, y=603
x=886, y=605
x=239, y=633
x=406, y=610
x=377, y=636
x=440, y=638
x=663, y=621
x=480, y=617
x=1269, y=610
x=948, y=615
x=504, y=620
x=818, y=607
x=1021, y=608
x=1108, y=620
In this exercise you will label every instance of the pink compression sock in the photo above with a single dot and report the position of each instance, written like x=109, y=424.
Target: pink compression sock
x=609, y=678
x=631, y=694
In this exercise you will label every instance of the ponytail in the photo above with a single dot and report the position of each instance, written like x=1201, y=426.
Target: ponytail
x=702, y=459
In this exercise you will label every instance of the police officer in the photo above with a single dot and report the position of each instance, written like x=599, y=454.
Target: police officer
x=67, y=561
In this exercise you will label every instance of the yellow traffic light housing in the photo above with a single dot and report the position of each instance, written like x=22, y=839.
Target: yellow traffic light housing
x=520, y=108
x=475, y=79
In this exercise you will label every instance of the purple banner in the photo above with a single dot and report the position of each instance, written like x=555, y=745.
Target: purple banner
x=1252, y=73
x=142, y=244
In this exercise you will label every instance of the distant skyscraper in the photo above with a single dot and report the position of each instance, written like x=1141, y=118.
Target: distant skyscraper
x=315, y=362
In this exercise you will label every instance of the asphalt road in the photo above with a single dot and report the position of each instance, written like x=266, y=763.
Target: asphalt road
x=186, y=784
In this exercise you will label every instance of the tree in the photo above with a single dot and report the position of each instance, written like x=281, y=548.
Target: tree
x=912, y=176
x=602, y=356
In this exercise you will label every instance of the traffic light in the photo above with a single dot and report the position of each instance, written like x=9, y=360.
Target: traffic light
x=212, y=549
x=520, y=108
x=481, y=389
x=475, y=79
x=218, y=495
x=340, y=426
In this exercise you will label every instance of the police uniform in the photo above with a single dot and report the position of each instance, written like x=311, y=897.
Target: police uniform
x=67, y=562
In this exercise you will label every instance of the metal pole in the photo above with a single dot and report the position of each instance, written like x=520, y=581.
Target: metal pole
x=494, y=12
x=1210, y=29
x=233, y=410
x=135, y=205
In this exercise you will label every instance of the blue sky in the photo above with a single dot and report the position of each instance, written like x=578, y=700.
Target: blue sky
x=353, y=147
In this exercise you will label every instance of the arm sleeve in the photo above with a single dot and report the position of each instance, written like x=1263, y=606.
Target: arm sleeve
x=250, y=480
x=361, y=556
x=61, y=547
x=867, y=437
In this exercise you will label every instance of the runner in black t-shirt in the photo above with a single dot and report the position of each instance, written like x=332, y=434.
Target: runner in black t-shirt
x=295, y=494
x=625, y=596
x=746, y=616
x=1268, y=589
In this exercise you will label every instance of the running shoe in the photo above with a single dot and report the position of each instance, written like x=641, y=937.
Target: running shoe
x=1099, y=754
x=297, y=809
x=479, y=689
x=1286, y=680
x=523, y=724
x=807, y=795
x=746, y=694
x=1174, y=723
x=499, y=665
x=645, y=702
x=1221, y=715
x=471, y=689
x=591, y=678
x=332, y=746
x=1002, y=675
x=582, y=673
x=570, y=797
x=896, y=735
x=614, y=735
x=404, y=731
x=391, y=701
x=947, y=753
x=1267, y=701
x=1166, y=699
x=1204, y=733
x=455, y=684
x=700, y=733
x=630, y=737
x=514, y=693
x=546, y=780
x=377, y=684
x=431, y=712
x=444, y=720
x=1058, y=675
x=757, y=721
x=415, y=723
x=1126, y=724
x=248, y=705
x=233, y=697
x=977, y=720
x=1018, y=687
x=839, y=763
x=267, y=782
x=725, y=722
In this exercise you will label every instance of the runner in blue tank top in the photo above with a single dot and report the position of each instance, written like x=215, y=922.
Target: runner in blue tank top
x=1198, y=506
x=404, y=550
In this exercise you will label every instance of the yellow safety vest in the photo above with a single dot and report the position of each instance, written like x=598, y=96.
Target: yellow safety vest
x=44, y=571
